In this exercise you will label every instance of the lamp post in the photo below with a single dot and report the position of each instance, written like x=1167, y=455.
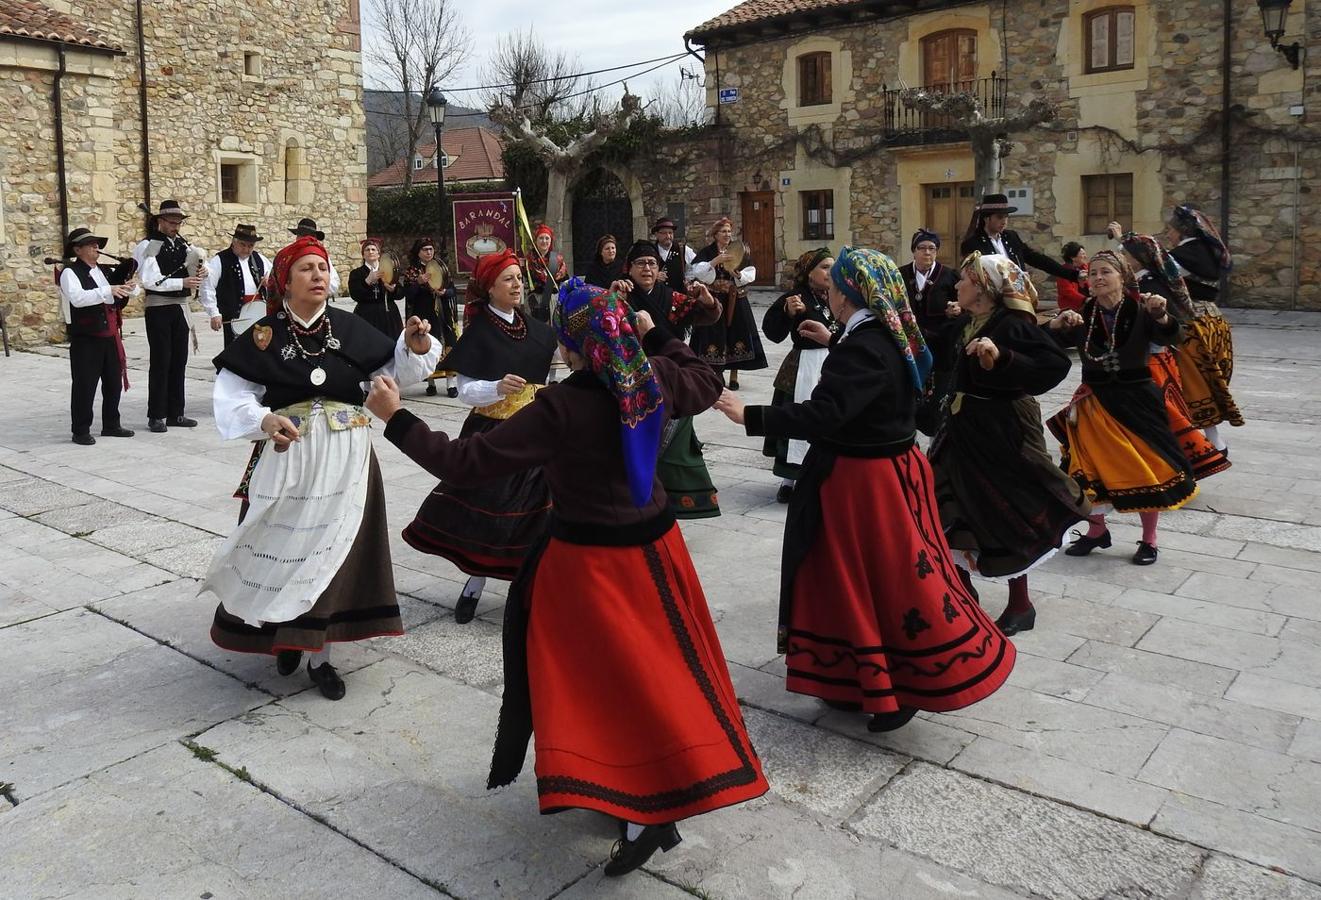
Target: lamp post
x=436, y=103
x=1273, y=16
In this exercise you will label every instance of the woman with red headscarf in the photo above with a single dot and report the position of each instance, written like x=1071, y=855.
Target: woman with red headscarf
x=309, y=563
x=547, y=268
x=502, y=359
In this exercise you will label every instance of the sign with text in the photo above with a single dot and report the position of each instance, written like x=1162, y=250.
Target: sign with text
x=729, y=95
x=483, y=223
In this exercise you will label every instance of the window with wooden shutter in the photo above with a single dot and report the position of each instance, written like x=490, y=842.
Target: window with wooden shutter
x=1106, y=199
x=949, y=59
x=818, y=215
x=1108, y=37
x=814, y=79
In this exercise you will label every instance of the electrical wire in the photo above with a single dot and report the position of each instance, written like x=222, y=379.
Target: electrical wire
x=567, y=77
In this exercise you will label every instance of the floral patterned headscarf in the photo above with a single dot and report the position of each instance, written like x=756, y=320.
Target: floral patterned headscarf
x=871, y=279
x=1192, y=222
x=1001, y=277
x=805, y=264
x=599, y=326
x=1151, y=256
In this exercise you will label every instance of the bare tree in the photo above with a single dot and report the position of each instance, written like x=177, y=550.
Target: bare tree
x=988, y=135
x=540, y=82
x=416, y=44
x=682, y=103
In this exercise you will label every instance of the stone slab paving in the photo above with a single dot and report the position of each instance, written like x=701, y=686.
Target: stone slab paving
x=1160, y=737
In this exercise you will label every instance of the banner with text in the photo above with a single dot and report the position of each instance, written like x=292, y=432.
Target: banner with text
x=483, y=224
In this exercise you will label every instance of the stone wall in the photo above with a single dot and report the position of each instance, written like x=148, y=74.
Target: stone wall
x=295, y=125
x=1158, y=121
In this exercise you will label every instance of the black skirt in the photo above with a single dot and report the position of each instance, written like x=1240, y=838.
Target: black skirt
x=731, y=343
x=384, y=317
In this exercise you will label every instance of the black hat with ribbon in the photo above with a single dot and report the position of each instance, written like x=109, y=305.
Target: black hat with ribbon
x=80, y=236
x=307, y=227
x=171, y=209
x=246, y=233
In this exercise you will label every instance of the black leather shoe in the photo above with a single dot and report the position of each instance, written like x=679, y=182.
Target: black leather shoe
x=157, y=426
x=181, y=422
x=451, y=392
x=85, y=439
x=431, y=389
x=842, y=705
x=466, y=608
x=288, y=661
x=892, y=721
x=117, y=431
x=784, y=494
x=1013, y=623
x=628, y=855
x=1145, y=555
x=325, y=677
x=1085, y=544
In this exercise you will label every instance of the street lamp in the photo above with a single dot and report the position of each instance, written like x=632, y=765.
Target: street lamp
x=436, y=104
x=1273, y=15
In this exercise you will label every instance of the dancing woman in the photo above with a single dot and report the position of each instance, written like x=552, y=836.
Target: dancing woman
x=806, y=301
x=1005, y=505
x=309, y=563
x=873, y=613
x=502, y=360
x=732, y=341
x=1115, y=435
x=611, y=658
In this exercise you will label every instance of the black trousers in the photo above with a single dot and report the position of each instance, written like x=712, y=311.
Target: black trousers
x=167, y=338
x=94, y=360
x=229, y=333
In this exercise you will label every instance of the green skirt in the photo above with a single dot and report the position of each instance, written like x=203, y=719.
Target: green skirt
x=683, y=473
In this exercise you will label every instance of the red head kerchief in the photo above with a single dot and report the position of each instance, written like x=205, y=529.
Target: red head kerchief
x=365, y=242
x=543, y=228
x=284, y=261
x=484, y=274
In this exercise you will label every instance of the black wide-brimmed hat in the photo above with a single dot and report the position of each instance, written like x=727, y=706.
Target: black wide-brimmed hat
x=171, y=208
x=307, y=227
x=246, y=233
x=995, y=203
x=664, y=222
x=80, y=236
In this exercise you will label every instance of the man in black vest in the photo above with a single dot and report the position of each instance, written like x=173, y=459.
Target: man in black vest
x=232, y=279
x=91, y=305
x=989, y=232
x=932, y=292
x=673, y=263
x=168, y=285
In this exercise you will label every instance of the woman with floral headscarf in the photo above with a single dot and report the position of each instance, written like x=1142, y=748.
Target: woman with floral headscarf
x=1005, y=505
x=806, y=301
x=1156, y=272
x=502, y=360
x=309, y=563
x=611, y=658
x=874, y=616
x=1115, y=436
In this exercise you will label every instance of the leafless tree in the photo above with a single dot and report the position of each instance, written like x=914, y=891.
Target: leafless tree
x=416, y=45
x=681, y=103
x=541, y=82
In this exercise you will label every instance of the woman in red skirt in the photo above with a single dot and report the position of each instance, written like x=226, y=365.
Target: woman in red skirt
x=610, y=653
x=874, y=616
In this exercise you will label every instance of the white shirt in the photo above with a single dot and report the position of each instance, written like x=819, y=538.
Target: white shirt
x=206, y=294
x=475, y=391
x=921, y=277
x=858, y=317
x=72, y=292
x=706, y=273
x=149, y=270
x=998, y=244
x=688, y=255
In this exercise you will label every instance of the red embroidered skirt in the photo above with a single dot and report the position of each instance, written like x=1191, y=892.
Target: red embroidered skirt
x=879, y=615
x=1205, y=459
x=632, y=707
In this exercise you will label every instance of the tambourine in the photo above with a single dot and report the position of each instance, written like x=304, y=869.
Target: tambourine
x=386, y=268
x=436, y=275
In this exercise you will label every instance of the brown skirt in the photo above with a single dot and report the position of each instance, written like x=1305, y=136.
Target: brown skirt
x=359, y=603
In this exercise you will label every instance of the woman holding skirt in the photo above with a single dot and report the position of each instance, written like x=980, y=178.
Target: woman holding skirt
x=874, y=615
x=1115, y=436
x=309, y=563
x=1005, y=505
x=806, y=301
x=611, y=659
x=502, y=360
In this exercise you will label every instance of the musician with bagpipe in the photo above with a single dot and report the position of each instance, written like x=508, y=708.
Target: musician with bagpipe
x=170, y=271
x=429, y=294
x=91, y=299
x=231, y=288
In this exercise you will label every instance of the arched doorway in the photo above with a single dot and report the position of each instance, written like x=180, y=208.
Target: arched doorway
x=602, y=204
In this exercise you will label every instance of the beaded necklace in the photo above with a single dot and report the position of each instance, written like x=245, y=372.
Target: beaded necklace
x=516, y=330
x=295, y=346
x=1109, y=358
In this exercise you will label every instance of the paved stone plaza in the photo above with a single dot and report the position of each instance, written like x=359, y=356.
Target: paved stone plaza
x=1160, y=736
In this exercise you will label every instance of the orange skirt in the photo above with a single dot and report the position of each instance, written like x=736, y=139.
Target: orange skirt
x=1206, y=363
x=1202, y=455
x=633, y=711
x=1114, y=464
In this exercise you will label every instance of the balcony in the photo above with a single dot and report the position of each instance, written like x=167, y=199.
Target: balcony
x=907, y=125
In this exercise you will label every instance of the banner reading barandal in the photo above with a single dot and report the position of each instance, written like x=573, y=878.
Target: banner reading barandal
x=483, y=223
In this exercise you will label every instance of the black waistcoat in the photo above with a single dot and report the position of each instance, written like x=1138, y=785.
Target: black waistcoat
x=88, y=321
x=674, y=267
x=229, y=292
x=487, y=352
x=362, y=351
x=171, y=258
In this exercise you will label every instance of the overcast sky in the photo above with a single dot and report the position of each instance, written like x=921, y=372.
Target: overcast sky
x=595, y=33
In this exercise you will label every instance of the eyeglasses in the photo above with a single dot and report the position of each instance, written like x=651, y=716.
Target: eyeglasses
x=646, y=263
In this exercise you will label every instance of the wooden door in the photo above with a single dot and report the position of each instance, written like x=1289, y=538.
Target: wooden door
x=948, y=209
x=758, y=233
x=949, y=59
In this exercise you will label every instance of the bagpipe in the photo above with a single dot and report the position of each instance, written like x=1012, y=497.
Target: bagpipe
x=122, y=273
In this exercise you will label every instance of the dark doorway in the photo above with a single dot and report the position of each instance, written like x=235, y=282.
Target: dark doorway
x=600, y=206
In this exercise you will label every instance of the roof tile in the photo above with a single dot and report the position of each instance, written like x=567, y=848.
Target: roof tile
x=753, y=11
x=31, y=19
x=475, y=153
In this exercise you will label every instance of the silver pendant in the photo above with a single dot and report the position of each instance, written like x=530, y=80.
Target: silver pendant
x=318, y=376
x=287, y=352
x=332, y=343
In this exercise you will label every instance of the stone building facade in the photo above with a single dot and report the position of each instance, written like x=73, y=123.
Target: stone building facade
x=1139, y=121
x=253, y=114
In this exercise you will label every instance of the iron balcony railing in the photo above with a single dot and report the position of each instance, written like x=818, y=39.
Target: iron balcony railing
x=909, y=123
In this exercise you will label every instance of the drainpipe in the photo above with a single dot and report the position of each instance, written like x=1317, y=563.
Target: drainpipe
x=57, y=101
x=142, y=109
x=1223, y=295
x=1297, y=178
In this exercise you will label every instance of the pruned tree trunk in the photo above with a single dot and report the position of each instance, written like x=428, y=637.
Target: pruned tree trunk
x=985, y=163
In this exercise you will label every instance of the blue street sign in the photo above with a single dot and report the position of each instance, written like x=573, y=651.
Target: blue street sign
x=729, y=95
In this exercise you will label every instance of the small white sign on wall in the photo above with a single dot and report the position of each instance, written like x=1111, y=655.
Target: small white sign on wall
x=1022, y=198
